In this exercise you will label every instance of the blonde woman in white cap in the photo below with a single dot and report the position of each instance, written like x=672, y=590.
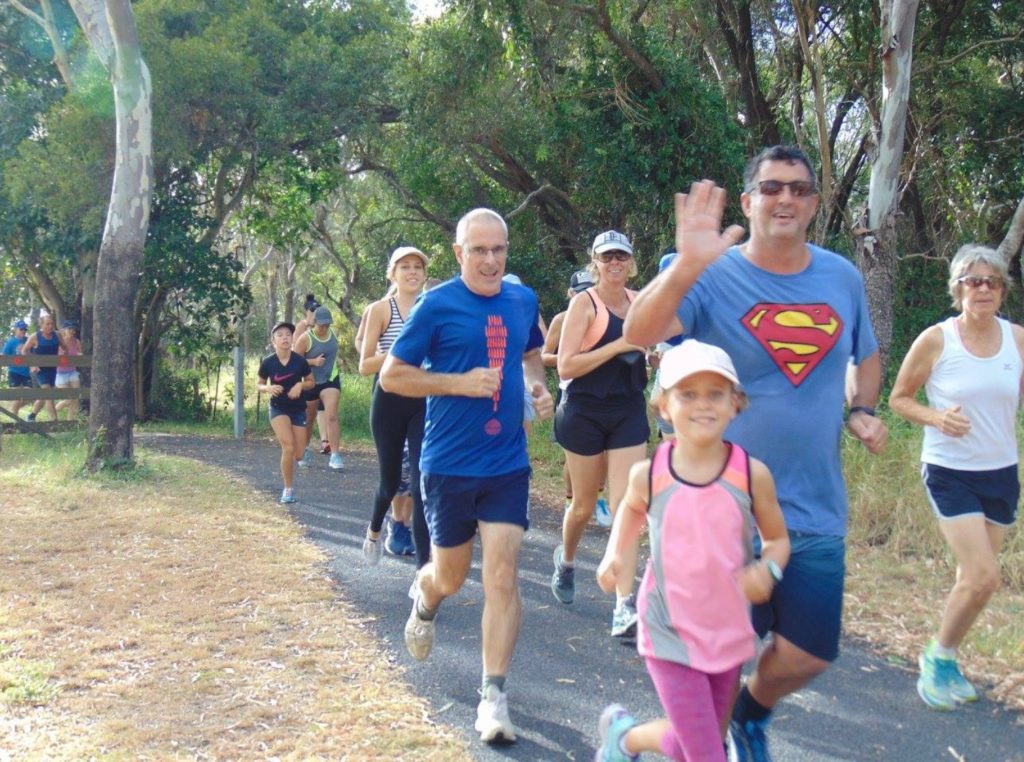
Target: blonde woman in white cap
x=602, y=417
x=702, y=498
x=394, y=419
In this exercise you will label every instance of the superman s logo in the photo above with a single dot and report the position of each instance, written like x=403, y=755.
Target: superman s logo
x=796, y=336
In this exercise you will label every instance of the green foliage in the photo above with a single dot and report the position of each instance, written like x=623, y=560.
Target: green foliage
x=179, y=394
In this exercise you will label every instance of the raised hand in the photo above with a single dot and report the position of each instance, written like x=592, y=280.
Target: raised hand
x=699, y=235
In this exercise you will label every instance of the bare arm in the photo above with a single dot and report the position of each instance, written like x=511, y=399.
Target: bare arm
x=914, y=372
x=756, y=580
x=572, y=361
x=536, y=383
x=864, y=388
x=550, y=352
x=361, y=330
x=400, y=377
x=630, y=519
x=699, y=241
x=370, y=361
x=29, y=345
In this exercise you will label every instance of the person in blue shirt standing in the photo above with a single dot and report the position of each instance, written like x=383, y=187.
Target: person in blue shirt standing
x=792, y=315
x=17, y=375
x=469, y=346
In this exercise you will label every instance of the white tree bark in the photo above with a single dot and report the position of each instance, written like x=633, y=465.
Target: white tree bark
x=876, y=245
x=1015, y=235
x=110, y=28
x=46, y=21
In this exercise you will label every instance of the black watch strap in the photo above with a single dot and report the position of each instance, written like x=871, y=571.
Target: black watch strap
x=861, y=409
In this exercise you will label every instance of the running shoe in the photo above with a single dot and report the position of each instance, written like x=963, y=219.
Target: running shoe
x=563, y=581
x=405, y=541
x=624, y=619
x=748, y=741
x=30, y=417
x=935, y=683
x=372, y=550
x=615, y=722
x=393, y=544
x=336, y=462
x=602, y=515
x=492, y=720
x=325, y=447
x=307, y=456
x=288, y=495
x=419, y=633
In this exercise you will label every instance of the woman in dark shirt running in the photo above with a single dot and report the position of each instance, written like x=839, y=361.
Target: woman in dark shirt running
x=284, y=375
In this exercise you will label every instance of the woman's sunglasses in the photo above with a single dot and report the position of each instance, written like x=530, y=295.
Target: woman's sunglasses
x=608, y=256
x=994, y=282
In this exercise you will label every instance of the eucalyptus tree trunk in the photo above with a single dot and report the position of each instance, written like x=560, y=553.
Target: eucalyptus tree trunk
x=876, y=239
x=110, y=28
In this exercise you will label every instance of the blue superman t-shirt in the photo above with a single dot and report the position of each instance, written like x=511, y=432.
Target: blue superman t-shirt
x=453, y=330
x=791, y=338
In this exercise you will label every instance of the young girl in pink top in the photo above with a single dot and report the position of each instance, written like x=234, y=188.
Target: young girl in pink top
x=702, y=498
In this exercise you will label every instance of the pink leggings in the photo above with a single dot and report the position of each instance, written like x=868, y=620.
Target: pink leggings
x=695, y=703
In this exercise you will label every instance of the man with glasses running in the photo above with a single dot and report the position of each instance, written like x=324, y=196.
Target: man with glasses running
x=468, y=346
x=792, y=315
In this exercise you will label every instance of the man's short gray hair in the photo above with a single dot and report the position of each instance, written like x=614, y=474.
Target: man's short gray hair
x=969, y=255
x=473, y=216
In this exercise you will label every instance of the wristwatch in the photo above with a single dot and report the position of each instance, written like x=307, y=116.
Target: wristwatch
x=861, y=409
x=774, y=569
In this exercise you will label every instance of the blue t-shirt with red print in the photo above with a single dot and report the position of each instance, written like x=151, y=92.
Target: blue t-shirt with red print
x=453, y=330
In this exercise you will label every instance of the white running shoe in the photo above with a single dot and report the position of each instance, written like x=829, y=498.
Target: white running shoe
x=336, y=462
x=419, y=633
x=492, y=721
x=373, y=549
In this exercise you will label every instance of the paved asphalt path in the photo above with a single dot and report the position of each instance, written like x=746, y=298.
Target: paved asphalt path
x=566, y=667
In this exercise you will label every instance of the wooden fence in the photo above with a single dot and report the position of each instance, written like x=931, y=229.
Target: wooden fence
x=31, y=394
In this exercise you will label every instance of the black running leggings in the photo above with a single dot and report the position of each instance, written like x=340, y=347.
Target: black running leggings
x=395, y=419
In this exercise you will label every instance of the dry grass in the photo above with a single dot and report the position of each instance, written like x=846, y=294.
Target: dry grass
x=181, y=616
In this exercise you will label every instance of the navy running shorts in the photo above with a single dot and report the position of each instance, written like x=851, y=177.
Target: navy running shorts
x=453, y=505
x=589, y=426
x=954, y=493
x=806, y=608
x=14, y=381
x=297, y=419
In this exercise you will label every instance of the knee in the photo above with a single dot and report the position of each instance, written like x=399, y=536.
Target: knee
x=790, y=663
x=446, y=585
x=502, y=582
x=982, y=583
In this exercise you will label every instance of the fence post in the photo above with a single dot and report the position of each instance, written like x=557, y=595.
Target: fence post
x=239, y=392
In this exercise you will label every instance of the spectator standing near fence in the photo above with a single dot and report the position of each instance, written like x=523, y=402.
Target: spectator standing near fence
x=45, y=341
x=67, y=375
x=18, y=376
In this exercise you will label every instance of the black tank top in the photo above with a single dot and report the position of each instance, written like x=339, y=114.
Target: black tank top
x=616, y=379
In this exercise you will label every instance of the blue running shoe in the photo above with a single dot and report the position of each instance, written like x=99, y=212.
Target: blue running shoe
x=602, y=514
x=615, y=722
x=748, y=741
x=288, y=495
x=563, y=581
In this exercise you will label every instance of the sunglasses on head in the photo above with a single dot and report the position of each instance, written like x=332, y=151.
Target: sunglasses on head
x=799, y=188
x=994, y=282
x=608, y=256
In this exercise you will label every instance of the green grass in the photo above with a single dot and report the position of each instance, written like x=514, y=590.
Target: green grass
x=26, y=682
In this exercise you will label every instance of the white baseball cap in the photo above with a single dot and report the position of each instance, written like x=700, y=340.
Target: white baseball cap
x=404, y=251
x=611, y=240
x=693, y=357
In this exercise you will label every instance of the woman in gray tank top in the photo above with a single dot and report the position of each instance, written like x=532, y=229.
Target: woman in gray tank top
x=319, y=346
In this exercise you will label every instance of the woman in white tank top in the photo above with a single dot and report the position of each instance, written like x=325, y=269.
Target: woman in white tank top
x=971, y=368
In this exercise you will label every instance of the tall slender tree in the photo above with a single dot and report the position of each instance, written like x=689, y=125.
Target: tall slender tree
x=113, y=37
